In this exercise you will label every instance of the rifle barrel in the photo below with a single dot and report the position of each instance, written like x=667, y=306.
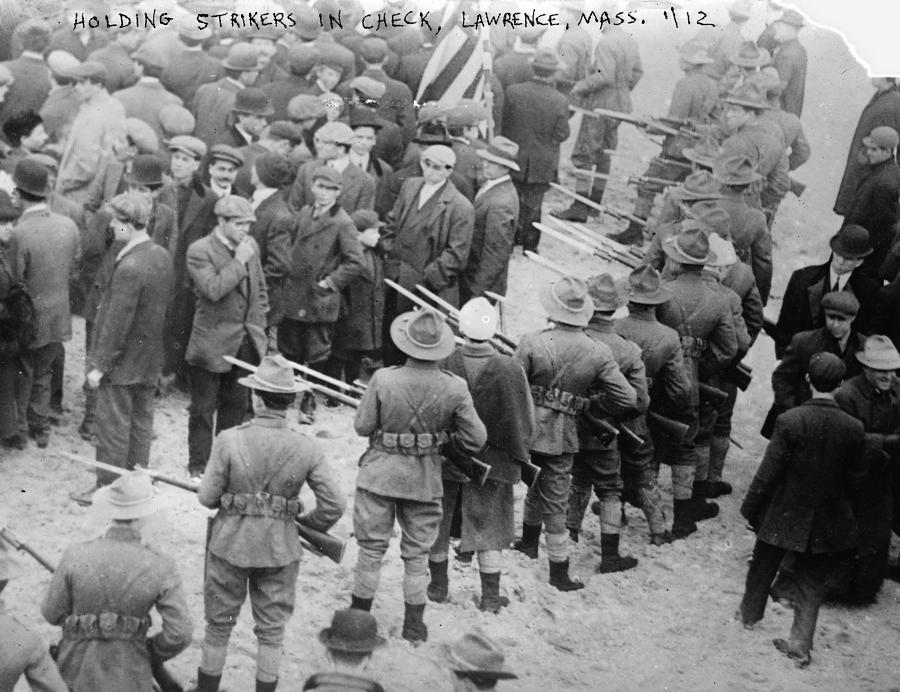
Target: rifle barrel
x=155, y=475
x=321, y=376
x=599, y=207
x=544, y=262
x=8, y=536
x=321, y=388
x=501, y=341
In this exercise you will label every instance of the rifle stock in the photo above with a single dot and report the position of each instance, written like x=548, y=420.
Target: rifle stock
x=711, y=396
x=321, y=543
x=674, y=431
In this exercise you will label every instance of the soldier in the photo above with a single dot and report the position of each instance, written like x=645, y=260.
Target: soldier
x=569, y=373
x=746, y=61
x=102, y=592
x=794, y=138
x=410, y=414
x=477, y=663
x=502, y=400
x=799, y=505
x=349, y=644
x=874, y=398
x=597, y=463
x=789, y=58
x=617, y=70
x=703, y=319
x=669, y=388
x=723, y=43
x=254, y=478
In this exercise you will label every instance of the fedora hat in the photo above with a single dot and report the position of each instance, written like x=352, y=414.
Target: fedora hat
x=691, y=246
x=475, y=653
x=748, y=95
x=252, y=101
x=501, y=150
x=422, y=334
x=704, y=152
x=273, y=375
x=736, y=170
x=352, y=630
x=478, y=319
x=851, y=242
x=146, y=169
x=32, y=177
x=130, y=496
x=567, y=301
x=879, y=353
x=750, y=55
x=644, y=287
x=605, y=293
x=698, y=185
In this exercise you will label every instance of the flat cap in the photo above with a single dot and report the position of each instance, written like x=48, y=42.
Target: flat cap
x=440, y=154
x=302, y=57
x=142, y=135
x=61, y=63
x=88, y=70
x=465, y=113
x=224, y=152
x=368, y=87
x=826, y=371
x=365, y=219
x=192, y=146
x=841, y=302
x=273, y=169
x=133, y=207
x=337, y=132
x=150, y=57
x=285, y=129
x=884, y=137
x=234, y=207
x=176, y=120
x=305, y=107
x=373, y=49
x=328, y=176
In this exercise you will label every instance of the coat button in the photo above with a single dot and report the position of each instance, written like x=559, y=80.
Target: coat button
x=301, y=313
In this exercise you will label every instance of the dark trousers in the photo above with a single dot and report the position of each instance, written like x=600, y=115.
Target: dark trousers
x=41, y=385
x=124, y=427
x=15, y=390
x=90, y=394
x=215, y=396
x=805, y=587
x=531, y=198
x=57, y=378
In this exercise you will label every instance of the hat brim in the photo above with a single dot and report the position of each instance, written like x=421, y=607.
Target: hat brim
x=756, y=105
x=699, y=159
x=33, y=190
x=458, y=666
x=401, y=340
x=658, y=297
x=239, y=68
x=489, y=156
x=253, y=382
x=364, y=646
x=725, y=180
x=870, y=142
x=130, y=179
x=184, y=150
x=672, y=250
x=559, y=314
x=138, y=510
x=226, y=158
x=892, y=365
x=680, y=193
x=265, y=112
x=697, y=61
x=833, y=244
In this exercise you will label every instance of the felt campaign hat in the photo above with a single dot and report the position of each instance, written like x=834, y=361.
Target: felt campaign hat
x=130, y=496
x=645, y=287
x=704, y=152
x=748, y=95
x=275, y=375
x=476, y=653
x=567, y=301
x=698, y=185
x=736, y=170
x=750, y=55
x=423, y=334
x=691, y=246
x=605, y=293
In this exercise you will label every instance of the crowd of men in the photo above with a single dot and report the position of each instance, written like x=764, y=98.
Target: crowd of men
x=226, y=208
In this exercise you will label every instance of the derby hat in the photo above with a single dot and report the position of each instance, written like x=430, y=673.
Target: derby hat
x=32, y=177
x=546, y=60
x=130, y=496
x=146, y=169
x=884, y=137
x=234, y=207
x=605, y=293
x=750, y=55
x=478, y=319
x=192, y=146
x=224, y=152
x=736, y=170
x=644, y=287
x=241, y=57
x=704, y=152
x=352, y=630
x=362, y=116
x=841, y=302
x=275, y=375
x=252, y=101
x=748, y=95
x=502, y=151
x=851, y=242
x=698, y=185
x=423, y=334
x=567, y=301
x=879, y=353
x=142, y=135
x=476, y=653
x=691, y=246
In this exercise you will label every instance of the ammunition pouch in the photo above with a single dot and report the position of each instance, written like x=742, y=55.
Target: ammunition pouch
x=559, y=400
x=413, y=444
x=106, y=626
x=260, y=505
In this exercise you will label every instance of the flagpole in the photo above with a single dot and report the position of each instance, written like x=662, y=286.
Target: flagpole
x=488, y=67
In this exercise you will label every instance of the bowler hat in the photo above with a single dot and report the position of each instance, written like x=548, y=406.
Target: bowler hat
x=691, y=246
x=879, y=353
x=546, y=60
x=423, y=334
x=698, y=185
x=465, y=113
x=362, y=116
x=192, y=146
x=302, y=58
x=373, y=49
x=438, y=153
x=364, y=219
x=273, y=374
x=501, y=150
x=8, y=210
x=130, y=496
x=644, y=287
x=329, y=177
x=142, y=135
x=252, y=101
x=704, y=152
x=305, y=107
x=227, y=153
x=31, y=177
x=826, y=370
x=883, y=136
x=176, y=120
x=842, y=302
x=748, y=95
x=793, y=18
x=478, y=319
x=241, y=57
x=475, y=653
x=750, y=55
x=851, y=242
x=736, y=170
x=352, y=630
x=146, y=169
x=605, y=292
x=368, y=87
x=234, y=207
x=567, y=301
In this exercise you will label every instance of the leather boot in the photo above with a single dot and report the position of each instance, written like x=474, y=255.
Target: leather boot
x=361, y=603
x=683, y=524
x=266, y=686
x=491, y=600
x=662, y=538
x=633, y=235
x=718, y=450
x=578, y=212
x=439, y=587
x=206, y=682
x=414, y=628
x=610, y=560
x=574, y=535
x=699, y=506
x=559, y=577
x=528, y=544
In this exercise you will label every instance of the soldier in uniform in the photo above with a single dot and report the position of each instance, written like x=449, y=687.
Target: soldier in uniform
x=569, y=373
x=703, y=319
x=254, y=478
x=502, y=400
x=102, y=593
x=597, y=465
x=410, y=414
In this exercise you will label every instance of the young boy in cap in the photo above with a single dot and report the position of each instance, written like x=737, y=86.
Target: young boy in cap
x=102, y=592
x=349, y=644
x=410, y=413
x=569, y=373
x=477, y=662
x=254, y=478
x=502, y=400
x=799, y=504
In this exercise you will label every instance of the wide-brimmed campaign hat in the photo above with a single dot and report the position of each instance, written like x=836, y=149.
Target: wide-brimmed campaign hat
x=478, y=319
x=694, y=52
x=879, y=353
x=691, y=246
x=423, y=334
x=567, y=301
x=851, y=242
x=644, y=287
x=475, y=653
x=352, y=630
x=748, y=95
x=704, y=152
x=750, y=55
x=501, y=150
x=130, y=496
x=736, y=170
x=698, y=185
x=606, y=293
x=274, y=375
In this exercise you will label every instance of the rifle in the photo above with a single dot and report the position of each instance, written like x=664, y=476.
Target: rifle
x=713, y=396
x=315, y=541
x=629, y=180
x=604, y=241
x=606, y=209
x=309, y=372
x=596, y=251
x=162, y=679
x=741, y=374
x=652, y=125
x=440, y=302
x=674, y=431
x=606, y=431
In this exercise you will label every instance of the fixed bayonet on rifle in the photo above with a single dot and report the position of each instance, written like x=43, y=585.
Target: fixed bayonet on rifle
x=8, y=536
x=606, y=209
x=316, y=387
x=650, y=124
x=630, y=180
x=503, y=342
x=548, y=264
x=309, y=372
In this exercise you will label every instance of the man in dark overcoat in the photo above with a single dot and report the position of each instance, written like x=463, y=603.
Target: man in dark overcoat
x=789, y=58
